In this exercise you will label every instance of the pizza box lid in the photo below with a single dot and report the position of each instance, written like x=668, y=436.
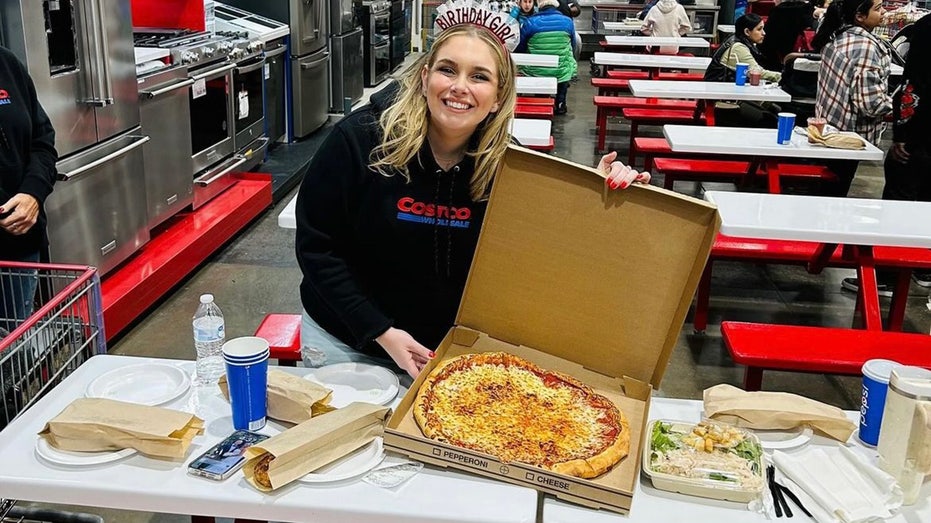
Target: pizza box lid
x=598, y=277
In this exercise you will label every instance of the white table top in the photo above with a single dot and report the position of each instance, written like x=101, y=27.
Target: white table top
x=657, y=40
x=287, y=217
x=755, y=142
x=535, y=85
x=652, y=60
x=651, y=505
x=699, y=90
x=144, y=484
x=623, y=26
x=532, y=131
x=812, y=66
x=853, y=221
x=727, y=28
x=539, y=60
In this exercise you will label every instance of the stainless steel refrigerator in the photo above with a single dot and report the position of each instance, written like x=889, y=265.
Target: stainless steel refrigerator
x=310, y=58
x=80, y=56
x=346, y=64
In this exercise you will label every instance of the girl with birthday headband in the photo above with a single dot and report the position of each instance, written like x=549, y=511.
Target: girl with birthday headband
x=389, y=212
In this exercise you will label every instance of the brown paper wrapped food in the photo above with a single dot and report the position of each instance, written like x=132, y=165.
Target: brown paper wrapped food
x=314, y=443
x=291, y=398
x=97, y=424
x=838, y=140
x=775, y=411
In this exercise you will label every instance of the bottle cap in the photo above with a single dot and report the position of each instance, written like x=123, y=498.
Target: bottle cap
x=206, y=298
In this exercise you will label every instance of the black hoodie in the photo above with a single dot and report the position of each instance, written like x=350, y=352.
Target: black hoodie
x=377, y=251
x=27, y=153
x=911, y=106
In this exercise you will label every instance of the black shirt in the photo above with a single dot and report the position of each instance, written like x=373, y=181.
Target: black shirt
x=378, y=251
x=27, y=152
x=784, y=25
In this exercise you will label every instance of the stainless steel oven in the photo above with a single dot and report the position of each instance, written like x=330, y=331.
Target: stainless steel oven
x=211, y=115
x=376, y=23
x=248, y=101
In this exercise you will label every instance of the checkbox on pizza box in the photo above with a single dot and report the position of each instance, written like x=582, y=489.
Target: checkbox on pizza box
x=436, y=451
x=529, y=476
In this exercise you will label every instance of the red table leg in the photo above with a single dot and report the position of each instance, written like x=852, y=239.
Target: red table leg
x=899, y=299
x=868, y=295
x=772, y=177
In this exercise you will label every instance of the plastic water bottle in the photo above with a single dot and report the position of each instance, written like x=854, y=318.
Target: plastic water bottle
x=209, y=334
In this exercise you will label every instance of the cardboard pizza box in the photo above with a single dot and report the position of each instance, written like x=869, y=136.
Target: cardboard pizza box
x=575, y=278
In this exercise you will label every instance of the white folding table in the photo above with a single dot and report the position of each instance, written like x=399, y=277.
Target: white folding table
x=739, y=141
x=652, y=62
x=813, y=66
x=623, y=26
x=139, y=483
x=708, y=92
x=538, y=60
x=652, y=505
x=649, y=41
x=535, y=85
x=857, y=223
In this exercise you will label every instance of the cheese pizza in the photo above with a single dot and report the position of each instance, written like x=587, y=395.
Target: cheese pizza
x=507, y=407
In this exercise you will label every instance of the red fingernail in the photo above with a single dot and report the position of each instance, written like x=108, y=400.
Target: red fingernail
x=624, y=185
x=612, y=184
x=432, y=354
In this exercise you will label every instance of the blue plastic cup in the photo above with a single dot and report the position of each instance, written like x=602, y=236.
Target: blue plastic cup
x=247, y=376
x=741, y=74
x=784, y=128
x=876, y=375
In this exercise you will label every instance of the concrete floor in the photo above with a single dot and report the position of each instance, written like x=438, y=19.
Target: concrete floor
x=257, y=273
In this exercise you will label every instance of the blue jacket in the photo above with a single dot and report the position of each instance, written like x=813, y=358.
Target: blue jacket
x=549, y=32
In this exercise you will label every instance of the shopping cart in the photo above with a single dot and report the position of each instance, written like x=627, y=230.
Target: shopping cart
x=37, y=353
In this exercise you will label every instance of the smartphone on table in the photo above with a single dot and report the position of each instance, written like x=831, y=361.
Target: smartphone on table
x=226, y=457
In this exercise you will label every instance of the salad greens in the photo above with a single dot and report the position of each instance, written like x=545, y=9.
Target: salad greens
x=660, y=439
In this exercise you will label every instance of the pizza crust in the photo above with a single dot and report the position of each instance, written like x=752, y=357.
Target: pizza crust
x=589, y=467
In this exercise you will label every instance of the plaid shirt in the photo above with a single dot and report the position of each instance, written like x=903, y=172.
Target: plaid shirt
x=853, y=81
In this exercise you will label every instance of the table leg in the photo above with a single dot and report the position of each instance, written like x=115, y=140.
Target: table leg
x=868, y=295
x=709, y=112
x=820, y=260
x=899, y=299
x=772, y=177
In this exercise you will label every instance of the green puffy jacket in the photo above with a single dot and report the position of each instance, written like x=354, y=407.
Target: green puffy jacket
x=549, y=32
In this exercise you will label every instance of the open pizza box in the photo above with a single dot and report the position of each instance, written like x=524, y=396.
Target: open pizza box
x=579, y=279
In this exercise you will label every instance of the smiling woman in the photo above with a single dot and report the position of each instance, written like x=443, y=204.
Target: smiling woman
x=389, y=212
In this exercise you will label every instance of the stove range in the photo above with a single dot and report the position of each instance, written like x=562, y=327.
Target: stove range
x=197, y=48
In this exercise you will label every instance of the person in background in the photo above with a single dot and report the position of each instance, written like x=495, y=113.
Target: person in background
x=646, y=9
x=551, y=32
x=854, y=77
x=908, y=163
x=523, y=10
x=785, y=30
x=572, y=9
x=381, y=284
x=852, y=86
x=27, y=176
x=666, y=18
x=743, y=48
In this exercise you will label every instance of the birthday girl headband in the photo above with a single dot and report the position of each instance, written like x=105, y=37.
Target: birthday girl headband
x=478, y=12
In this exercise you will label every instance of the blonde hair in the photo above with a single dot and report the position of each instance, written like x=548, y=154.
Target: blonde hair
x=404, y=124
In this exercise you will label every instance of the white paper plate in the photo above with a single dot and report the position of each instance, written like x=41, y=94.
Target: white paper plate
x=784, y=439
x=357, y=382
x=355, y=464
x=146, y=384
x=77, y=459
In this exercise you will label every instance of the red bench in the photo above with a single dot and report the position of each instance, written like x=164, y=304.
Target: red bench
x=638, y=117
x=627, y=74
x=283, y=333
x=731, y=248
x=681, y=76
x=536, y=100
x=608, y=86
x=533, y=111
x=817, y=349
x=610, y=105
x=734, y=171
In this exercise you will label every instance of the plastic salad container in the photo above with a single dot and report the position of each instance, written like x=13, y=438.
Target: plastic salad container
x=707, y=459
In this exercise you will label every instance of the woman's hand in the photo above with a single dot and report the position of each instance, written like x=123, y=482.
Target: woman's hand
x=404, y=350
x=620, y=176
x=23, y=212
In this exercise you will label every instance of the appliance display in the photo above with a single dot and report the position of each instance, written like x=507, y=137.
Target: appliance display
x=398, y=39
x=273, y=34
x=408, y=25
x=346, y=55
x=375, y=16
x=307, y=20
x=80, y=57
